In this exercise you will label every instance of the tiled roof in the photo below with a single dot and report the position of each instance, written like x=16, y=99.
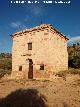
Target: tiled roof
x=42, y=26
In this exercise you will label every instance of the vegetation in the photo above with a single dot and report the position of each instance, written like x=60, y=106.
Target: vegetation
x=5, y=64
x=73, y=61
x=69, y=71
x=74, y=56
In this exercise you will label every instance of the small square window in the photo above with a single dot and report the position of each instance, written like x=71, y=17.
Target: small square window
x=20, y=68
x=42, y=67
x=29, y=46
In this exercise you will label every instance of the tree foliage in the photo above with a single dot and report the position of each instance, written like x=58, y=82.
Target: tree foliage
x=74, y=56
x=5, y=63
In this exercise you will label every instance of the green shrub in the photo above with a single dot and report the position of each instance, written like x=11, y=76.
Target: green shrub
x=74, y=56
x=6, y=63
x=4, y=72
x=74, y=62
x=5, y=66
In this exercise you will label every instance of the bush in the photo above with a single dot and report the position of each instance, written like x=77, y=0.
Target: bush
x=74, y=62
x=74, y=56
x=5, y=66
x=3, y=72
x=5, y=63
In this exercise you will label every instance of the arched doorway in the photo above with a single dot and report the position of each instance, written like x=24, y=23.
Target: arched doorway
x=30, y=72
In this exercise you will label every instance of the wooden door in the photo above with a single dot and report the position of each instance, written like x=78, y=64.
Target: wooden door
x=30, y=72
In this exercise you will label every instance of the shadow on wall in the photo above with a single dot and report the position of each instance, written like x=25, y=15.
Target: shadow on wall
x=24, y=98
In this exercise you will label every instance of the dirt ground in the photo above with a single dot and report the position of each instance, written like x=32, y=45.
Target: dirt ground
x=59, y=92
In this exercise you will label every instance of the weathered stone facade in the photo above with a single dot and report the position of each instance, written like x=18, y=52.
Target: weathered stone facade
x=39, y=52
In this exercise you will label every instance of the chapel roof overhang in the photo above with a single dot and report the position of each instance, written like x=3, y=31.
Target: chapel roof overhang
x=42, y=26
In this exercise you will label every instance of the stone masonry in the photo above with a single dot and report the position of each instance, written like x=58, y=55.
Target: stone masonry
x=39, y=52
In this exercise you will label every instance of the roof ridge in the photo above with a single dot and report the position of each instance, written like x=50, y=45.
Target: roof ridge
x=41, y=26
x=30, y=29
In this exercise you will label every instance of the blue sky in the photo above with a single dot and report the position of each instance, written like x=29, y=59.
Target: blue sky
x=16, y=17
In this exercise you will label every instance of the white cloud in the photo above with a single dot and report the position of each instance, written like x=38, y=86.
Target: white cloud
x=74, y=39
x=17, y=25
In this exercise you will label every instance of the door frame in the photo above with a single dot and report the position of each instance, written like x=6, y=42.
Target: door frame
x=30, y=70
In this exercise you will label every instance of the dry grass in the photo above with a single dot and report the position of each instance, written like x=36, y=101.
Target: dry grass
x=59, y=93
x=74, y=71
x=69, y=71
x=56, y=93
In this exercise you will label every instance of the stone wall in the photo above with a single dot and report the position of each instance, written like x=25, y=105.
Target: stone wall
x=48, y=48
